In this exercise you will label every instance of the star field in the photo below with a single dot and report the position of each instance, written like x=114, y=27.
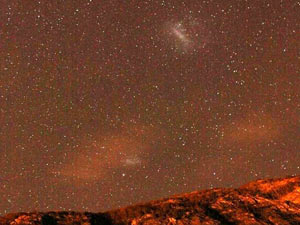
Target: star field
x=110, y=103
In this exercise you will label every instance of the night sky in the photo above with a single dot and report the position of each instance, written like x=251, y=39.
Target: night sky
x=110, y=103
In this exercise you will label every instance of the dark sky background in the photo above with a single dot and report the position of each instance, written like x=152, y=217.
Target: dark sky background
x=110, y=103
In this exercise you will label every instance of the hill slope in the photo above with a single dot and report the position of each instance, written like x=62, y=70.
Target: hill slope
x=273, y=201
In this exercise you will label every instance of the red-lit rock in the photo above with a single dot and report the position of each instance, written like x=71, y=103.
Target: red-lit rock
x=273, y=201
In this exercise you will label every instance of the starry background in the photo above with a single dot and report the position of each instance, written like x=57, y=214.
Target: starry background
x=110, y=103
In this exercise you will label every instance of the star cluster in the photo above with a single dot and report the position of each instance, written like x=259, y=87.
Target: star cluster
x=110, y=103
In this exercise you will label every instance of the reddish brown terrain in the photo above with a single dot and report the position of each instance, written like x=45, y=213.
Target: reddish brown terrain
x=273, y=201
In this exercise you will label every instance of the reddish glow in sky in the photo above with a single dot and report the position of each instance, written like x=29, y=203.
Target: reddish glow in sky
x=110, y=103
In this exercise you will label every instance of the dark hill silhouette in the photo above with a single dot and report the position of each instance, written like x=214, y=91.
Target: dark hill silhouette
x=272, y=201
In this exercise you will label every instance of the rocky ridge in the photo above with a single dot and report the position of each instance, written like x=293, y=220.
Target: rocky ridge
x=271, y=201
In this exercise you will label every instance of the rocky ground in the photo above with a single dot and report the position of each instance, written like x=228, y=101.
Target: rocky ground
x=273, y=201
